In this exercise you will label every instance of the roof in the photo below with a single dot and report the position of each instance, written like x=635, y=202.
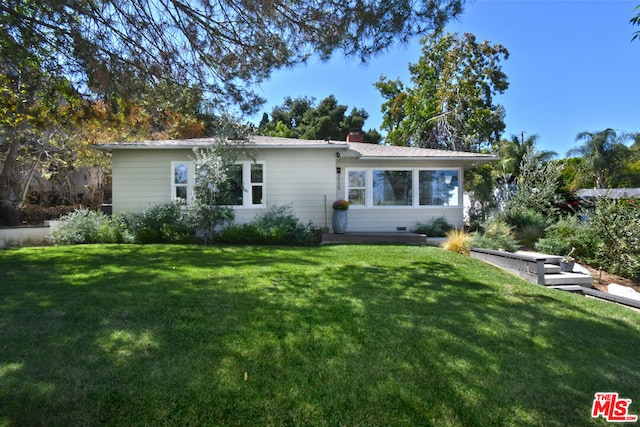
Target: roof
x=351, y=149
x=612, y=193
x=253, y=142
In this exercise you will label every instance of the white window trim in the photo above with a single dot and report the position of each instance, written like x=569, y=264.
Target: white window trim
x=415, y=183
x=247, y=185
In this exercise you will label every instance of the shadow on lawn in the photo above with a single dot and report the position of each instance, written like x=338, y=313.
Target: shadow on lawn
x=294, y=336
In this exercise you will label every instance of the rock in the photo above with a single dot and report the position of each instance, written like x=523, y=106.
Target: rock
x=623, y=291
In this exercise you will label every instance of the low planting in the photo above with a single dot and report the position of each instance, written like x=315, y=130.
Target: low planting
x=436, y=227
x=171, y=223
x=335, y=335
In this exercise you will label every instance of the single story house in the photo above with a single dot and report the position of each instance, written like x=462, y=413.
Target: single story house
x=390, y=188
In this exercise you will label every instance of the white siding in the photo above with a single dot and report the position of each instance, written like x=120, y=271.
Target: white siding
x=301, y=178
x=142, y=178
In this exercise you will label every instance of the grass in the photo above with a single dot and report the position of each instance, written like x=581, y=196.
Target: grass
x=337, y=335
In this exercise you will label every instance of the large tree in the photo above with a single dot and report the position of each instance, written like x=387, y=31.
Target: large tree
x=114, y=49
x=304, y=118
x=450, y=103
x=513, y=151
x=602, y=152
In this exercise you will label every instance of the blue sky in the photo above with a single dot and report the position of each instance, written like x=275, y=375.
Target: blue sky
x=572, y=67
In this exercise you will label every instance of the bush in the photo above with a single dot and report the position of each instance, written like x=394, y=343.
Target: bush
x=497, y=235
x=164, y=223
x=277, y=225
x=437, y=227
x=457, y=241
x=85, y=226
x=617, y=223
x=569, y=233
x=529, y=225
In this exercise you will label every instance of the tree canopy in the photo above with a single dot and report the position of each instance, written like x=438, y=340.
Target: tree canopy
x=217, y=45
x=305, y=119
x=450, y=104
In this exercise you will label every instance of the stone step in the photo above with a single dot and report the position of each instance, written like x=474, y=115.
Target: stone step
x=549, y=259
x=551, y=269
x=568, y=279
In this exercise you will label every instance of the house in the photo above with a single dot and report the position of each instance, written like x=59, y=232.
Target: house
x=390, y=188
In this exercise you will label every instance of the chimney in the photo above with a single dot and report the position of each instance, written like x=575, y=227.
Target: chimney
x=355, y=135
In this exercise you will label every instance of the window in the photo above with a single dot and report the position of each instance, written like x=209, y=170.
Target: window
x=392, y=188
x=357, y=187
x=403, y=187
x=438, y=187
x=245, y=186
x=181, y=181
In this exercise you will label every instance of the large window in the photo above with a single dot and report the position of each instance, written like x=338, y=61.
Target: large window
x=245, y=186
x=438, y=187
x=373, y=187
x=392, y=188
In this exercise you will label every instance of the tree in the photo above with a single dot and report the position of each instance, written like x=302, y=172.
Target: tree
x=219, y=45
x=512, y=152
x=636, y=21
x=303, y=118
x=450, y=105
x=602, y=151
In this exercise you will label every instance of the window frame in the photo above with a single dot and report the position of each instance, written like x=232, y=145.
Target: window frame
x=247, y=184
x=415, y=182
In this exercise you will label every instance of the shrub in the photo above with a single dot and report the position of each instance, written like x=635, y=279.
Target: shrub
x=457, y=241
x=163, y=223
x=277, y=225
x=569, y=233
x=617, y=224
x=85, y=226
x=497, y=235
x=437, y=227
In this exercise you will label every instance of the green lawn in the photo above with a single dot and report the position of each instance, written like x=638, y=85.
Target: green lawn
x=336, y=335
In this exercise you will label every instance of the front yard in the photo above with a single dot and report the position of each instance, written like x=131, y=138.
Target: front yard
x=336, y=335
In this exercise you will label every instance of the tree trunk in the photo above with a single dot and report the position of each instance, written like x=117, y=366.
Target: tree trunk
x=9, y=213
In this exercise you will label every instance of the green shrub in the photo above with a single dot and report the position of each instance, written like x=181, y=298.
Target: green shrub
x=84, y=226
x=163, y=223
x=436, y=227
x=497, y=235
x=617, y=223
x=277, y=225
x=569, y=233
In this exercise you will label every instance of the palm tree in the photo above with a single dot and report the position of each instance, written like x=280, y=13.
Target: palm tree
x=512, y=152
x=601, y=152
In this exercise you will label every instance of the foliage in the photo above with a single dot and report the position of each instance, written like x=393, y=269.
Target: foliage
x=479, y=185
x=528, y=224
x=163, y=223
x=436, y=227
x=220, y=46
x=277, y=225
x=513, y=151
x=602, y=152
x=496, y=234
x=457, y=241
x=303, y=118
x=537, y=186
x=340, y=205
x=636, y=21
x=617, y=223
x=85, y=226
x=451, y=104
x=214, y=182
x=570, y=232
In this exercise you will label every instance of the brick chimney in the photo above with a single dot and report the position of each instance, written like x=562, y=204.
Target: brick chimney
x=355, y=136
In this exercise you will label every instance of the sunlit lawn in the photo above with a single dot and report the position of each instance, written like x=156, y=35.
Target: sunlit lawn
x=337, y=335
